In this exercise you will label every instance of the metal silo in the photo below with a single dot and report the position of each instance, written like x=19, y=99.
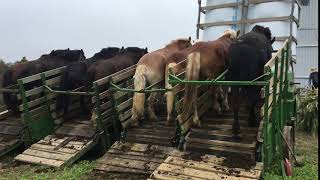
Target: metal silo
x=280, y=16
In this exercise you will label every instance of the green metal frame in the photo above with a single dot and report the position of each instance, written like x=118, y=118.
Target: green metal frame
x=282, y=108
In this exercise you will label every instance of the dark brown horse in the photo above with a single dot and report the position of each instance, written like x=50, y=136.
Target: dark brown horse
x=206, y=60
x=55, y=59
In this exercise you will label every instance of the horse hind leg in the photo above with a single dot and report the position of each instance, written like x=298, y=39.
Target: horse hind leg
x=195, y=118
x=151, y=101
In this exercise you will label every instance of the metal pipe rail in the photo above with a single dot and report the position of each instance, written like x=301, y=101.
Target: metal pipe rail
x=72, y=93
x=145, y=90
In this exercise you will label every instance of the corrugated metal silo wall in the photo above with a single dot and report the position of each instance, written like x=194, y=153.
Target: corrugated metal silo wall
x=307, y=49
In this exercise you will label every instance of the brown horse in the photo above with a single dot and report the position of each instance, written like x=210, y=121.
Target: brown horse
x=151, y=69
x=206, y=60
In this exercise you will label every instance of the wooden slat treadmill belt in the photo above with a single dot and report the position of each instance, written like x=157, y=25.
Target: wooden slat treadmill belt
x=134, y=158
x=38, y=160
x=179, y=168
x=49, y=153
x=71, y=131
x=10, y=130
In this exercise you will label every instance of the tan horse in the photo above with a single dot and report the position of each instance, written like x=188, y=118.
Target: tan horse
x=151, y=69
x=206, y=60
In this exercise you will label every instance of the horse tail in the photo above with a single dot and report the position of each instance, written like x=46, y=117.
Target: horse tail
x=138, y=98
x=7, y=81
x=192, y=73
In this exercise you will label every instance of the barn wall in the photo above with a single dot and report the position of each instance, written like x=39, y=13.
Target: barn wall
x=307, y=48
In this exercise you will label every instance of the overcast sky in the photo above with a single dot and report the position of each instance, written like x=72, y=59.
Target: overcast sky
x=34, y=27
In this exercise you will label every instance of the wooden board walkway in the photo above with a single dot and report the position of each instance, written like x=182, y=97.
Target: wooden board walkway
x=136, y=158
x=204, y=167
x=70, y=141
x=10, y=132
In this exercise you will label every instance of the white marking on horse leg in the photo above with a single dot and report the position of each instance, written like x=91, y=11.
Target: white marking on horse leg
x=195, y=118
x=225, y=103
x=93, y=118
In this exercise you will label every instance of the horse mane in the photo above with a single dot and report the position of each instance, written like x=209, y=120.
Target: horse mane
x=229, y=33
x=176, y=41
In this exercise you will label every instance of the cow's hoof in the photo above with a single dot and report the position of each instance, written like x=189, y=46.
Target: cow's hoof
x=225, y=108
x=235, y=128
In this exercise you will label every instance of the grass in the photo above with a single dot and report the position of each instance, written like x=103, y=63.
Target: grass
x=306, y=153
x=26, y=172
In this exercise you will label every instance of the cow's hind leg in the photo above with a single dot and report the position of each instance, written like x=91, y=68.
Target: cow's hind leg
x=253, y=94
x=235, y=104
x=225, y=103
x=215, y=95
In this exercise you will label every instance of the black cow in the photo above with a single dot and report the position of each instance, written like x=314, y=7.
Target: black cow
x=55, y=59
x=74, y=76
x=246, y=62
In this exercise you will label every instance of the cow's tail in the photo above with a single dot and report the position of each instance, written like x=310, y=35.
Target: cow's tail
x=138, y=98
x=190, y=95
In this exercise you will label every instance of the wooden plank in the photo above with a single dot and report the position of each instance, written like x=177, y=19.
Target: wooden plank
x=106, y=106
x=119, y=77
x=78, y=125
x=10, y=130
x=125, y=115
x=130, y=163
x=192, y=173
x=124, y=105
x=38, y=101
x=110, y=168
x=106, y=79
x=38, y=160
x=49, y=148
x=209, y=149
x=81, y=132
x=105, y=94
x=32, y=92
x=54, y=71
x=47, y=155
x=53, y=81
x=107, y=113
x=237, y=145
x=31, y=78
x=213, y=167
x=54, y=141
x=149, y=158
